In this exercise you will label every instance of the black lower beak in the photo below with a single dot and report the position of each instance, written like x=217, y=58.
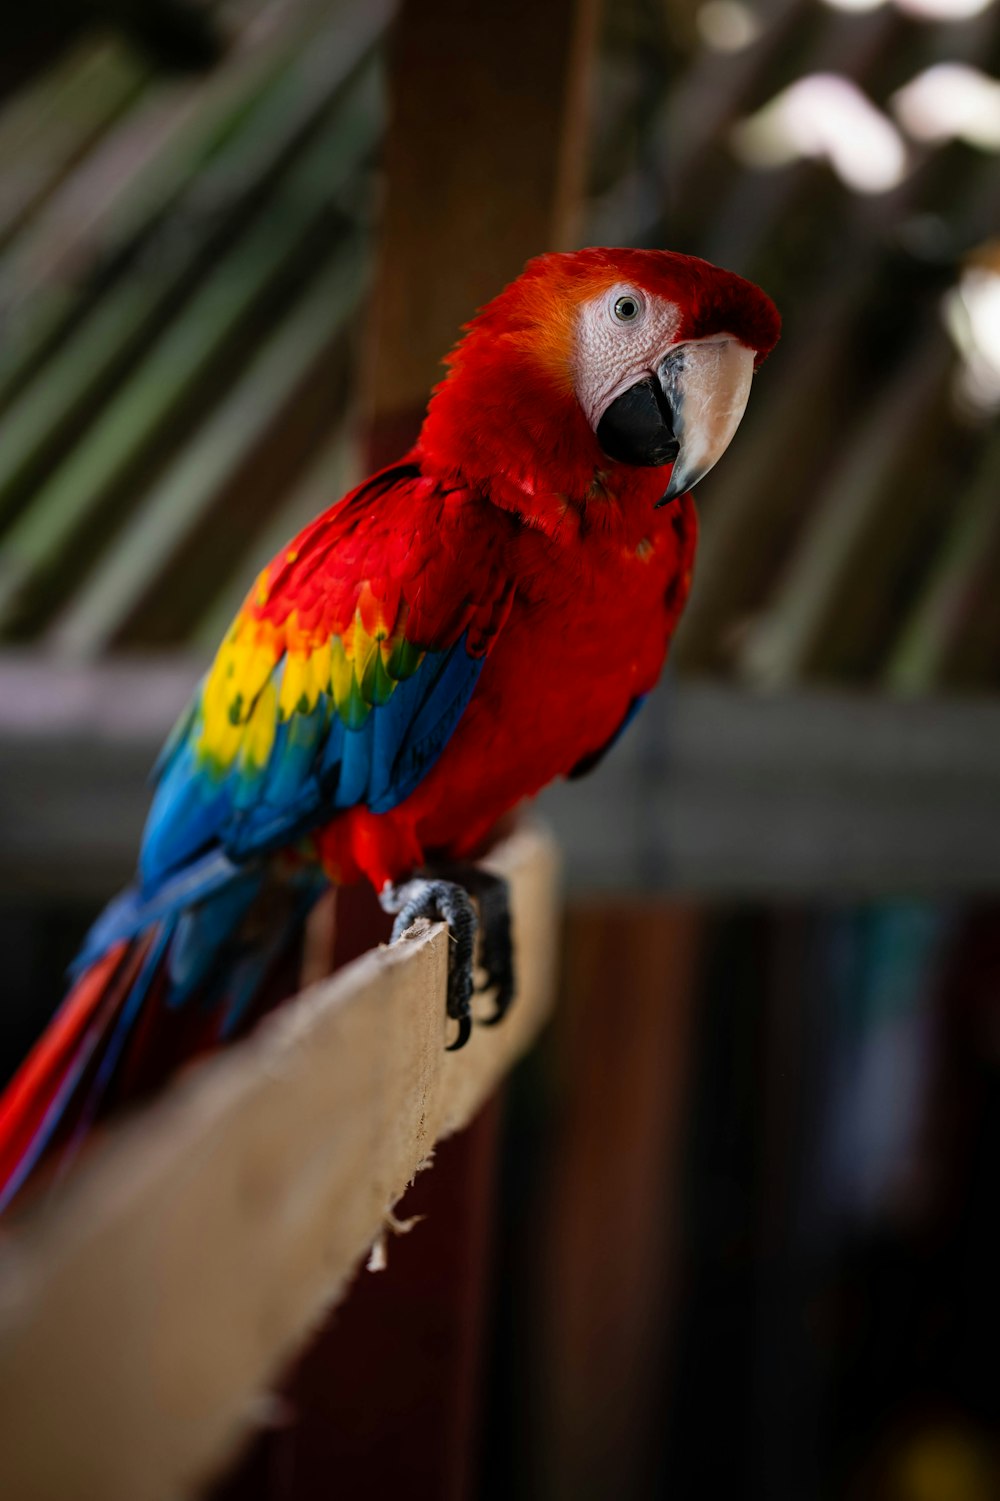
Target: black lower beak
x=638, y=428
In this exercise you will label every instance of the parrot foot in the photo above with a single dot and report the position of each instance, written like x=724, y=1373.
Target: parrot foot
x=441, y=901
x=446, y=897
x=493, y=895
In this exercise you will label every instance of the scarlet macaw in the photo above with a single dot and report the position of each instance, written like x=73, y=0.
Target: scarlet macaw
x=470, y=623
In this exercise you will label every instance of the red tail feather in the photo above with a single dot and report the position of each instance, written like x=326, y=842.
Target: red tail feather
x=24, y=1104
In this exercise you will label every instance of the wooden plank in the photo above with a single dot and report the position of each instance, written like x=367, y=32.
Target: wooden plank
x=51, y=411
x=843, y=564
x=58, y=120
x=725, y=791
x=180, y=373
x=149, y=1304
x=165, y=520
x=190, y=142
x=398, y=1358
x=331, y=474
x=26, y=115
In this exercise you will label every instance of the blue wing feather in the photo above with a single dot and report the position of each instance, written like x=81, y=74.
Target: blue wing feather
x=367, y=738
x=317, y=766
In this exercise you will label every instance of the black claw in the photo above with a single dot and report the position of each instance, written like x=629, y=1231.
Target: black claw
x=500, y=979
x=498, y=944
x=464, y=1033
x=442, y=901
x=460, y=980
x=501, y=1005
x=448, y=900
x=499, y=969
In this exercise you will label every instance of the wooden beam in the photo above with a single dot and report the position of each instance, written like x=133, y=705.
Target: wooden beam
x=484, y=160
x=388, y=1397
x=716, y=790
x=82, y=274
x=147, y=580
x=809, y=793
x=150, y=1302
x=202, y=346
x=605, y=1268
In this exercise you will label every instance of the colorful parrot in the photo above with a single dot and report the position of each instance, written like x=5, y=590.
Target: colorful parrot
x=468, y=624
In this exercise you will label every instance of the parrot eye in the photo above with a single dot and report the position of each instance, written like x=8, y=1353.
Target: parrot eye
x=627, y=308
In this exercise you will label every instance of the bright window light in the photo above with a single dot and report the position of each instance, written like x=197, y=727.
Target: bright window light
x=826, y=116
x=951, y=102
x=921, y=10
x=727, y=25
x=972, y=315
x=855, y=5
x=943, y=10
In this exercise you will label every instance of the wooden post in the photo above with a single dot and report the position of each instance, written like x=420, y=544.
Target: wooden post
x=484, y=168
x=483, y=163
x=605, y=1279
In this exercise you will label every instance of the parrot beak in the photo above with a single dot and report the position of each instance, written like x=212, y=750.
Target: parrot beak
x=707, y=386
x=685, y=415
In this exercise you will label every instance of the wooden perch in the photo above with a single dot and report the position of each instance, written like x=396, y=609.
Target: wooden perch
x=146, y=1307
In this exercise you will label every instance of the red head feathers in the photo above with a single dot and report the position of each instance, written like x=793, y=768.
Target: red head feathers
x=595, y=361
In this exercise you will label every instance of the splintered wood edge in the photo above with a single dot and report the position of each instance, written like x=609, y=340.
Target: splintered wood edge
x=147, y=1307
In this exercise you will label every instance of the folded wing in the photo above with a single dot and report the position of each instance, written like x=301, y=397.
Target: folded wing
x=340, y=681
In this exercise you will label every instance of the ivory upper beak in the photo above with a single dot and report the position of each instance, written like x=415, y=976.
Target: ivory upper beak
x=707, y=384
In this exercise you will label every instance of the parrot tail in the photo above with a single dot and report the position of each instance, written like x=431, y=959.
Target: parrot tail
x=158, y=981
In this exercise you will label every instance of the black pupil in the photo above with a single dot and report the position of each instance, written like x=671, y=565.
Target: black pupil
x=626, y=307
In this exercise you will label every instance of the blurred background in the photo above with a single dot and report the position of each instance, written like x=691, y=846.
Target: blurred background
x=747, y=1227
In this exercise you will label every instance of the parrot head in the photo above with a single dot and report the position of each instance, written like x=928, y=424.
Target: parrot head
x=600, y=358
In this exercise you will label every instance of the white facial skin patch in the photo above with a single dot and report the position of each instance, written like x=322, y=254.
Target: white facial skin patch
x=623, y=336
x=611, y=354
